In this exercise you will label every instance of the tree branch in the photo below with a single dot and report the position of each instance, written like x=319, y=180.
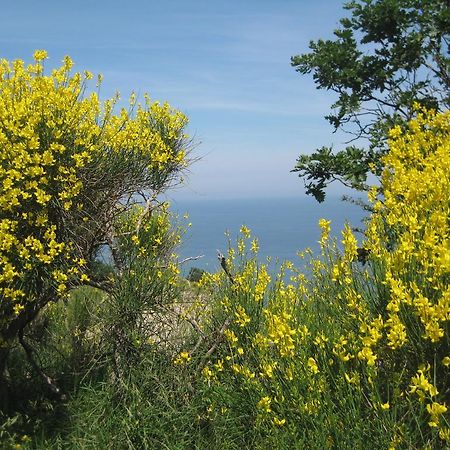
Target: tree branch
x=54, y=389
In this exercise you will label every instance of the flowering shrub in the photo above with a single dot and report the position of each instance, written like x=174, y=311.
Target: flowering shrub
x=356, y=349
x=70, y=169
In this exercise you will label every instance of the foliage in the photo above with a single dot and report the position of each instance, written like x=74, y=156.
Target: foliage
x=70, y=172
x=110, y=352
x=355, y=350
x=247, y=358
x=386, y=56
x=195, y=274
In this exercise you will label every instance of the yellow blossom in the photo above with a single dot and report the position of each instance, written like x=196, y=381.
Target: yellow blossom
x=182, y=358
x=278, y=422
x=312, y=365
x=264, y=404
x=245, y=232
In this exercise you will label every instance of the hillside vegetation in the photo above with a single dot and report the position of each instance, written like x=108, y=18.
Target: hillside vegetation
x=125, y=353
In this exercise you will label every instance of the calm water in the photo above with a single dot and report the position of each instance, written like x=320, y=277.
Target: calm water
x=282, y=226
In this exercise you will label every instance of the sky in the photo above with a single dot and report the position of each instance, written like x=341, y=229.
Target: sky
x=225, y=64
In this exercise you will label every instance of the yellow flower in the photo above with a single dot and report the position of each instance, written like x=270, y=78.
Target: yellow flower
x=325, y=225
x=354, y=379
x=421, y=386
x=182, y=358
x=40, y=55
x=255, y=246
x=245, y=232
x=267, y=369
x=444, y=434
x=18, y=308
x=350, y=244
x=312, y=365
x=231, y=337
x=264, y=404
x=367, y=354
x=435, y=410
x=278, y=422
x=242, y=318
x=207, y=373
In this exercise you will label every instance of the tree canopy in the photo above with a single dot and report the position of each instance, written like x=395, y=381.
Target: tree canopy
x=387, y=57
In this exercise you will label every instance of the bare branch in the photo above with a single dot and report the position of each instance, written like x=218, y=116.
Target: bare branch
x=223, y=264
x=217, y=341
x=54, y=389
x=191, y=258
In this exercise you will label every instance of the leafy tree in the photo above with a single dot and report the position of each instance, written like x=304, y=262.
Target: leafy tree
x=71, y=171
x=386, y=58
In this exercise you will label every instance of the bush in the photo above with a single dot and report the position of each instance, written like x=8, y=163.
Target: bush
x=71, y=169
x=354, y=351
x=195, y=274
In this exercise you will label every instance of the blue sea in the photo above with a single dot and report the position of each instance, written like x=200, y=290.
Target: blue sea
x=283, y=226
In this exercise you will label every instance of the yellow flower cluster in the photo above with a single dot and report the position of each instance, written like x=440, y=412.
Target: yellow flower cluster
x=373, y=334
x=182, y=358
x=416, y=209
x=52, y=138
x=241, y=317
x=280, y=332
x=408, y=235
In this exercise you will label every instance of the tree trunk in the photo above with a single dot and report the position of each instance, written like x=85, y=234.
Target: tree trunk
x=4, y=379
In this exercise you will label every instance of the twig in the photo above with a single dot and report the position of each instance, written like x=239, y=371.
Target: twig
x=147, y=210
x=197, y=344
x=223, y=264
x=219, y=337
x=48, y=381
x=104, y=286
x=181, y=316
x=220, y=334
x=194, y=324
x=191, y=258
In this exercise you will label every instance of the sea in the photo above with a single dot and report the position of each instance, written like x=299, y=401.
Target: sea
x=283, y=226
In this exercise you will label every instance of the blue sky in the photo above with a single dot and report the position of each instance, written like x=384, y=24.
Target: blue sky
x=226, y=64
